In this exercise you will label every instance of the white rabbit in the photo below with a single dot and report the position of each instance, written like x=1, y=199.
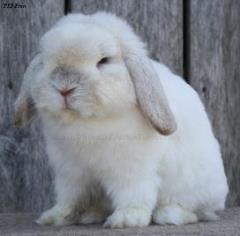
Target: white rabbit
x=129, y=141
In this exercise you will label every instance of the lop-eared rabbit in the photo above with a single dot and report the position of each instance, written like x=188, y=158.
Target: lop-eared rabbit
x=129, y=141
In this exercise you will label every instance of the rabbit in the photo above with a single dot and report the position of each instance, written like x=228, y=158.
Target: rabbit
x=129, y=141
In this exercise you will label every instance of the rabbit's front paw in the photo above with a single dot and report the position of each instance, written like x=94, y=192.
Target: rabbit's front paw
x=174, y=214
x=128, y=217
x=56, y=216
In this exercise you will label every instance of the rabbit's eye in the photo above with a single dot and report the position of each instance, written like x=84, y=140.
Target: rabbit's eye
x=103, y=61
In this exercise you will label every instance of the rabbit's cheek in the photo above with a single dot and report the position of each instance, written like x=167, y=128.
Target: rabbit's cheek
x=93, y=87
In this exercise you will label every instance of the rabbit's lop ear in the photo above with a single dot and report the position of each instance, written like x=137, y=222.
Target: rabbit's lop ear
x=150, y=94
x=24, y=106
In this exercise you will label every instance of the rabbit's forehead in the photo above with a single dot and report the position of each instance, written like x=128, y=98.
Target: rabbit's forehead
x=82, y=43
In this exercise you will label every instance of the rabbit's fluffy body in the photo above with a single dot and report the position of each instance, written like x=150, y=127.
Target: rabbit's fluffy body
x=105, y=149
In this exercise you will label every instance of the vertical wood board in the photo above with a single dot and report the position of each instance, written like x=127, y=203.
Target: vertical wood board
x=25, y=178
x=215, y=73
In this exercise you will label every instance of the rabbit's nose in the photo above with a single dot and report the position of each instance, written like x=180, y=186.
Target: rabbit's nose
x=66, y=92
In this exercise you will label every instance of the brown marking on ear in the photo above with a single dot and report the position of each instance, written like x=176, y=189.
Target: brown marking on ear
x=24, y=112
x=150, y=94
x=24, y=106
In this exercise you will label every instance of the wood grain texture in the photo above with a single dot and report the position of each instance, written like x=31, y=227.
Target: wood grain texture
x=158, y=22
x=25, y=178
x=215, y=73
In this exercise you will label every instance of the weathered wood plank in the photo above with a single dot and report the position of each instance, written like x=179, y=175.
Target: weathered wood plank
x=25, y=179
x=215, y=74
x=158, y=22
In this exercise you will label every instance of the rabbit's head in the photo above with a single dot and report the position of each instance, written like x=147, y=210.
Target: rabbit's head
x=93, y=67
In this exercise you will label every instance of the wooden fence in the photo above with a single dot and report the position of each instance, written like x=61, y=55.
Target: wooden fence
x=199, y=39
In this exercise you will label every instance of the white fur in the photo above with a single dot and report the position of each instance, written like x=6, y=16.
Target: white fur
x=107, y=148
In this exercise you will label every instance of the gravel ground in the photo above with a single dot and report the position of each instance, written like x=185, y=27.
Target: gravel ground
x=22, y=224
